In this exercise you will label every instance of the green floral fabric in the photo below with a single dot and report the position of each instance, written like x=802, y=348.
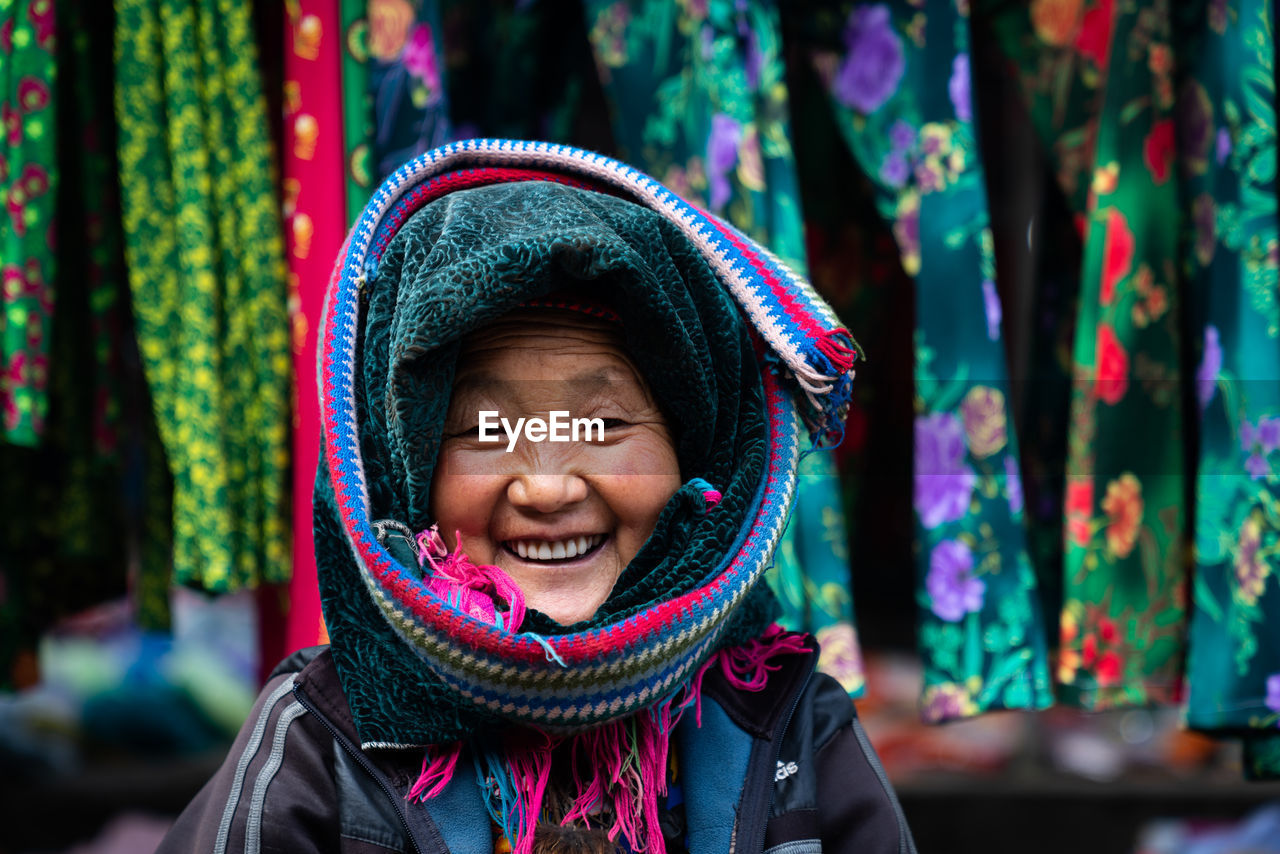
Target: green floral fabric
x=900, y=84
x=357, y=106
x=1122, y=626
x=1229, y=148
x=699, y=101
x=205, y=259
x=810, y=576
x=28, y=179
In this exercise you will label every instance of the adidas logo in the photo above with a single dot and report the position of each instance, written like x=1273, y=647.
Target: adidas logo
x=785, y=770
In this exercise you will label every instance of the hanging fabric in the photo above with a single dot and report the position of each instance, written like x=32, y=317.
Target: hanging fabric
x=406, y=82
x=357, y=105
x=315, y=224
x=699, y=99
x=810, y=575
x=1227, y=135
x=28, y=178
x=901, y=87
x=205, y=260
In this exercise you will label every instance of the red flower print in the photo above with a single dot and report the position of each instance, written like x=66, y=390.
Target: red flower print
x=1107, y=631
x=1117, y=256
x=6, y=36
x=1089, y=650
x=11, y=119
x=1158, y=150
x=1109, y=668
x=1112, y=366
x=1094, y=40
x=1079, y=509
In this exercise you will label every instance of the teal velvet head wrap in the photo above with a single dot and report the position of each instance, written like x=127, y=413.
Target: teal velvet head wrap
x=459, y=263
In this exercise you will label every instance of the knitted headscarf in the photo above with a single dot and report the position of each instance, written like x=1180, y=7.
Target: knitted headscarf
x=738, y=350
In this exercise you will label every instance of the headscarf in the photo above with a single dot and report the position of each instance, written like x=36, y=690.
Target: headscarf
x=738, y=350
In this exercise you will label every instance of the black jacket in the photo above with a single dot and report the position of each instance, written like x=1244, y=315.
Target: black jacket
x=786, y=770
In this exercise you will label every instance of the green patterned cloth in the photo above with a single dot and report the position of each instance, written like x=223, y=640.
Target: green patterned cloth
x=900, y=84
x=1228, y=105
x=205, y=258
x=28, y=179
x=810, y=575
x=357, y=106
x=699, y=101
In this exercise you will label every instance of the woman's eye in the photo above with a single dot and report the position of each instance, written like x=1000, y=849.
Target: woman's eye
x=467, y=433
x=614, y=423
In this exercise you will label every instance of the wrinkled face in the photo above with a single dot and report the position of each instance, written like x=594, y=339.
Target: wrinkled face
x=562, y=518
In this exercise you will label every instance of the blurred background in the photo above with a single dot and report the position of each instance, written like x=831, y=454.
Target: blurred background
x=1045, y=558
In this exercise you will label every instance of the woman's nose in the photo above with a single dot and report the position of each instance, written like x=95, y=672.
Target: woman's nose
x=546, y=493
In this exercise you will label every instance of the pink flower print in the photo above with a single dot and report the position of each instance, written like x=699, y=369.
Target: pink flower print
x=40, y=12
x=6, y=36
x=419, y=58
x=14, y=283
x=33, y=94
x=33, y=183
x=11, y=119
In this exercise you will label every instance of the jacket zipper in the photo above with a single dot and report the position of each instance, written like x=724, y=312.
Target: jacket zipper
x=758, y=834
x=359, y=756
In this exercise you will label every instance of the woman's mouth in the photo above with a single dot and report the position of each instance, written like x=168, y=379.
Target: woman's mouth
x=546, y=550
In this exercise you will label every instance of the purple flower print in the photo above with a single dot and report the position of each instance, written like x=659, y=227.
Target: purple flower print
x=1013, y=484
x=958, y=88
x=991, y=302
x=873, y=63
x=1210, y=365
x=1256, y=465
x=1273, y=693
x=943, y=483
x=722, y=154
x=953, y=591
x=419, y=59
x=902, y=136
x=1224, y=145
x=1268, y=433
x=895, y=170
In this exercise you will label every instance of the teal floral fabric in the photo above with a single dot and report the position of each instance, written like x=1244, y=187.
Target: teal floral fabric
x=1229, y=147
x=901, y=86
x=810, y=576
x=699, y=101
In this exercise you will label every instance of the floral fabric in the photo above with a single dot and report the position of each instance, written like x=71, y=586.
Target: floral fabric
x=810, y=576
x=1229, y=151
x=205, y=261
x=405, y=81
x=357, y=107
x=900, y=84
x=700, y=102
x=28, y=181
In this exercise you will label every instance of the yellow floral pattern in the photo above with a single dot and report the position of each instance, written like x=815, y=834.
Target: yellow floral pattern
x=206, y=268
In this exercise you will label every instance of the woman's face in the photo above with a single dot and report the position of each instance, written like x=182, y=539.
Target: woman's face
x=562, y=518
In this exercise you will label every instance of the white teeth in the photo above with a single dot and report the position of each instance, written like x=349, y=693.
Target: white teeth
x=562, y=550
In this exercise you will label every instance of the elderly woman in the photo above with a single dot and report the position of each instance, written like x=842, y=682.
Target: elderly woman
x=562, y=411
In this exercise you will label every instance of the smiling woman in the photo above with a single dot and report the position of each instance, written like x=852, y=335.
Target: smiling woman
x=547, y=646
x=561, y=519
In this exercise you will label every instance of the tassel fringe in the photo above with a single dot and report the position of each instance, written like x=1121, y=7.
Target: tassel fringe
x=627, y=758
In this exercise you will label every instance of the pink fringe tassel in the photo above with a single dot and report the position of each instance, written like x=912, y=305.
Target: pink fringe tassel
x=627, y=758
x=474, y=589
